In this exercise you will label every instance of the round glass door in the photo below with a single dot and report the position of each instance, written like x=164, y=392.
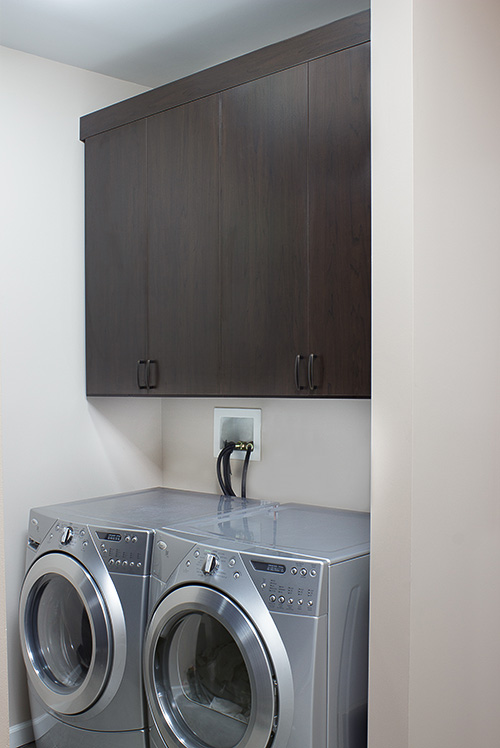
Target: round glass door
x=208, y=676
x=65, y=633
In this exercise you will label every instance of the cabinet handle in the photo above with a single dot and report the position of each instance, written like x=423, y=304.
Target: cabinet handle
x=142, y=362
x=149, y=381
x=298, y=385
x=310, y=372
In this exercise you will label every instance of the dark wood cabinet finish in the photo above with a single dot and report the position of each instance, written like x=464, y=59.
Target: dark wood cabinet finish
x=311, y=45
x=183, y=207
x=264, y=233
x=339, y=215
x=116, y=259
x=228, y=237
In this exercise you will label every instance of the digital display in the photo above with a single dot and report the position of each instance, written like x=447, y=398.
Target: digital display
x=113, y=536
x=109, y=536
x=266, y=566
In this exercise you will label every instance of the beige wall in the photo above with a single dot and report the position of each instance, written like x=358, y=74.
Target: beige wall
x=4, y=701
x=313, y=451
x=435, y=643
x=57, y=446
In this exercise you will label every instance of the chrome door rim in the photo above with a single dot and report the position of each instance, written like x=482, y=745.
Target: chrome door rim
x=189, y=599
x=59, y=699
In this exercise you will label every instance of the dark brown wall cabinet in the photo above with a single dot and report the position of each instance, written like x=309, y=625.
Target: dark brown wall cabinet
x=228, y=227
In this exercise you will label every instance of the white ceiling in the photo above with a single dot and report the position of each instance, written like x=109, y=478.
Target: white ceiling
x=156, y=41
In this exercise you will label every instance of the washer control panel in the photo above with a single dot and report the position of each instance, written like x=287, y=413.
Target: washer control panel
x=123, y=550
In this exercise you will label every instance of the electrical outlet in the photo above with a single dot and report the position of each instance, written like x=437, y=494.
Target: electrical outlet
x=237, y=425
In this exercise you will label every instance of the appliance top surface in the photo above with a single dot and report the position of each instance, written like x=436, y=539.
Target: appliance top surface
x=149, y=509
x=288, y=529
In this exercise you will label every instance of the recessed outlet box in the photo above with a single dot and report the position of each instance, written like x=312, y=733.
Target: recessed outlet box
x=237, y=425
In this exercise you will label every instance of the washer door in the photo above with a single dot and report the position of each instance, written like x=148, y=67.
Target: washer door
x=65, y=634
x=209, y=680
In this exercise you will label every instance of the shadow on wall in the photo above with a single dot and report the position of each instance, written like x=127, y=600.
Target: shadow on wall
x=130, y=433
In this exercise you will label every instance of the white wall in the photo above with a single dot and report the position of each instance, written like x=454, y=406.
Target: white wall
x=56, y=445
x=313, y=451
x=435, y=641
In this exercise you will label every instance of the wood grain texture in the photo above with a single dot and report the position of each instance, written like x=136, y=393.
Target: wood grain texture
x=340, y=241
x=263, y=237
x=183, y=200
x=302, y=48
x=115, y=259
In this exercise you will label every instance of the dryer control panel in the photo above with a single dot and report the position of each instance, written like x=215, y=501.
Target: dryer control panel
x=288, y=585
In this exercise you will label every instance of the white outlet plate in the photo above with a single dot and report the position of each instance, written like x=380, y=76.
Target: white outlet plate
x=237, y=424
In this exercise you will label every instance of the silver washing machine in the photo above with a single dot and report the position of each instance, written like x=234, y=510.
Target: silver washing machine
x=83, y=610
x=258, y=632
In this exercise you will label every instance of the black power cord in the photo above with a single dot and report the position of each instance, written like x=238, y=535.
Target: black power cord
x=224, y=467
x=245, y=471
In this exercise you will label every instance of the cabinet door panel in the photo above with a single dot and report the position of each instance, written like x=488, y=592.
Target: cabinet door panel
x=263, y=233
x=115, y=257
x=339, y=174
x=184, y=247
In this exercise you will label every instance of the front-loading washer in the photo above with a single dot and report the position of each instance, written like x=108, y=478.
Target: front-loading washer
x=83, y=609
x=258, y=631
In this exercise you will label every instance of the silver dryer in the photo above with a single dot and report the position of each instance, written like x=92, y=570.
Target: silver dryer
x=258, y=630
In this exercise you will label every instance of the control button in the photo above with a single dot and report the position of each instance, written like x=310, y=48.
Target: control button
x=211, y=564
x=104, y=551
x=139, y=565
x=310, y=603
x=300, y=602
x=188, y=563
x=290, y=601
x=313, y=572
x=162, y=545
x=103, y=546
x=263, y=586
x=303, y=572
x=196, y=553
x=232, y=562
x=82, y=533
x=85, y=544
x=293, y=570
x=134, y=538
x=118, y=562
x=124, y=563
x=281, y=599
x=34, y=522
x=272, y=598
x=66, y=536
x=127, y=538
x=131, y=564
x=236, y=575
x=111, y=561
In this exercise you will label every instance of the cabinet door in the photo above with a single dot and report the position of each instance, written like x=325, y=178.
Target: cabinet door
x=339, y=187
x=115, y=257
x=264, y=233
x=183, y=204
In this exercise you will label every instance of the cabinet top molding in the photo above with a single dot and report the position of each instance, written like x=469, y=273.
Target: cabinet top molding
x=347, y=32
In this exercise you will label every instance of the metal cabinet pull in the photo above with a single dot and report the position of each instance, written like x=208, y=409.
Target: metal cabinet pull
x=310, y=372
x=149, y=384
x=298, y=385
x=149, y=379
x=142, y=362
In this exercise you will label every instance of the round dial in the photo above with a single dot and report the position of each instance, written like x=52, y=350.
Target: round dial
x=211, y=564
x=66, y=535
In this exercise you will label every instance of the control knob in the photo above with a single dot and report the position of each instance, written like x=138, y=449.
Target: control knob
x=66, y=535
x=211, y=564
